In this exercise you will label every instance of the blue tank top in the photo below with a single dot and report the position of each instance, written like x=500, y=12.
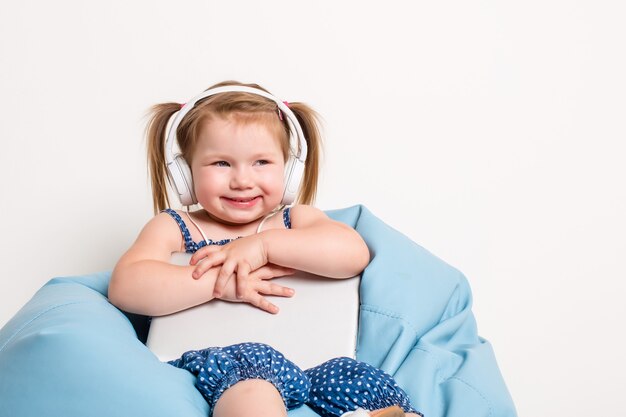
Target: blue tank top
x=192, y=247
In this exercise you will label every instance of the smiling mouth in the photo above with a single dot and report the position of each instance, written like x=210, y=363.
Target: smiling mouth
x=241, y=199
x=242, y=202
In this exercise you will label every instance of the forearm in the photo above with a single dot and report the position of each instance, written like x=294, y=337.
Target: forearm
x=156, y=288
x=334, y=251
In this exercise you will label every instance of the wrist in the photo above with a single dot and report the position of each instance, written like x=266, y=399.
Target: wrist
x=267, y=237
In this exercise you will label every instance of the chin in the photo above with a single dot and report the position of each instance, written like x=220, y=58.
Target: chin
x=243, y=218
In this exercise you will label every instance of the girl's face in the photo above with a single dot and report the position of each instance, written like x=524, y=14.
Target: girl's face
x=238, y=169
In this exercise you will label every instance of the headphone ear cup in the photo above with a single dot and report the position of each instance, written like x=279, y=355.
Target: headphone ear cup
x=294, y=171
x=182, y=180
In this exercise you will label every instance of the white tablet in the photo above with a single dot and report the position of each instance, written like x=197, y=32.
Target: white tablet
x=318, y=323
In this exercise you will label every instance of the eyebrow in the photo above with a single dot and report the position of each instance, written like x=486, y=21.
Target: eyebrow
x=222, y=156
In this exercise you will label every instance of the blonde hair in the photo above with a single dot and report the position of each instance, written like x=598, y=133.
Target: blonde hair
x=246, y=107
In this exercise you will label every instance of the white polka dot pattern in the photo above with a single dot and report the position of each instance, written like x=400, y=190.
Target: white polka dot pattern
x=344, y=384
x=331, y=389
x=217, y=369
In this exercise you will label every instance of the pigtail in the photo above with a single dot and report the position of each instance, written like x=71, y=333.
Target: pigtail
x=155, y=137
x=310, y=123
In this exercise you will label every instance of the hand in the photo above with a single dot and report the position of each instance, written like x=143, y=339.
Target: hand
x=258, y=285
x=238, y=258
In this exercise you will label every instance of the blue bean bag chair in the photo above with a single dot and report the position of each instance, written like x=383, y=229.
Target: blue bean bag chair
x=70, y=353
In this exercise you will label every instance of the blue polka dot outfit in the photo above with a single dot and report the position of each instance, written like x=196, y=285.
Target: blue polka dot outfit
x=192, y=247
x=343, y=384
x=217, y=369
x=331, y=389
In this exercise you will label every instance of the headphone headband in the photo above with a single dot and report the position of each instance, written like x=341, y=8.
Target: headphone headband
x=299, y=152
x=180, y=173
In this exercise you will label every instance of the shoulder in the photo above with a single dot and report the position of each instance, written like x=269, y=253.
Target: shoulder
x=162, y=233
x=171, y=216
x=303, y=215
x=166, y=219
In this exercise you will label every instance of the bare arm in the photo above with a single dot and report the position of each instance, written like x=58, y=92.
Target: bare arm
x=317, y=244
x=157, y=288
x=144, y=281
x=314, y=244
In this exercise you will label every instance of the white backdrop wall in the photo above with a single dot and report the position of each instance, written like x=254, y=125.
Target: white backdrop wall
x=490, y=132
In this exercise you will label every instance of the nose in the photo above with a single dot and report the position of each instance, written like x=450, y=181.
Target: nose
x=241, y=178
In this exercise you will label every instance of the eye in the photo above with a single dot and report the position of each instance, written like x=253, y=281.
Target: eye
x=221, y=164
x=262, y=162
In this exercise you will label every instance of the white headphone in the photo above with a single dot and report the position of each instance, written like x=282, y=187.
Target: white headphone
x=179, y=172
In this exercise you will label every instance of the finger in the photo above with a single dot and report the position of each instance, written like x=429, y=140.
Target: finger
x=203, y=253
x=216, y=259
x=271, y=288
x=223, y=277
x=227, y=295
x=274, y=271
x=261, y=302
x=243, y=270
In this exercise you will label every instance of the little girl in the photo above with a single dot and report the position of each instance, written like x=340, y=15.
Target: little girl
x=244, y=158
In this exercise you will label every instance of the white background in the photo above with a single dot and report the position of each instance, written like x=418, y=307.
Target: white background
x=490, y=132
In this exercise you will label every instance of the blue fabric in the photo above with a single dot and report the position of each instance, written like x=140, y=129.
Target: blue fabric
x=218, y=368
x=287, y=217
x=416, y=324
x=330, y=389
x=69, y=353
x=343, y=384
x=192, y=247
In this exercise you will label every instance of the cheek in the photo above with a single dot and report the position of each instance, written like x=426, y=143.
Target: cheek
x=206, y=180
x=273, y=178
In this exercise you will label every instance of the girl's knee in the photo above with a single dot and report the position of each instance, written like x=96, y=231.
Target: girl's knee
x=252, y=397
x=217, y=370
